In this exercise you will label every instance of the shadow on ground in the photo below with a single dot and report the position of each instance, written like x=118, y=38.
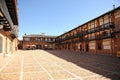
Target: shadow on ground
x=105, y=65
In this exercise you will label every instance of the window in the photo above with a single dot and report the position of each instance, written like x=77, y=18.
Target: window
x=96, y=23
x=93, y=36
x=92, y=25
x=26, y=39
x=38, y=39
x=89, y=26
x=50, y=39
x=101, y=21
x=41, y=39
x=106, y=44
x=46, y=39
x=92, y=44
x=106, y=19
x=89, y=36
x=31, y=39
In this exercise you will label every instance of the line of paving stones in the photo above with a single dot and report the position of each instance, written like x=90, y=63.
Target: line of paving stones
x=41, y=65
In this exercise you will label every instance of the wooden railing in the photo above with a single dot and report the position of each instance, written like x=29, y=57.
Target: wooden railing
x=81, y=34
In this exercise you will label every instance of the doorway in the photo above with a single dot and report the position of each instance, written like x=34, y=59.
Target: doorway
x=68, y=46
x=80, y=47
x=87, y=47
x=38, y=46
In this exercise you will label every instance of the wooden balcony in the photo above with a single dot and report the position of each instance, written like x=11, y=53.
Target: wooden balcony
x=97, y=29
x=81, y=34
x=6, y=16
x=111, y=25
x=103, y=27
x=6, y=28
x=107, y=26
x=13, y=36
x=91, y=31
x=5, y=12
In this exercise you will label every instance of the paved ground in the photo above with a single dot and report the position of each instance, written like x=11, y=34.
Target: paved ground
x=58, y=65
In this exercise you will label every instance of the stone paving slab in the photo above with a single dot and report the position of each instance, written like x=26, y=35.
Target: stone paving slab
x=9, y=76
x=36, y=76
x=61, y=75
x=30, y=69
x=55, y=65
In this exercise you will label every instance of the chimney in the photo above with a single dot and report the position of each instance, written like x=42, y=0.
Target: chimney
x=113, y=6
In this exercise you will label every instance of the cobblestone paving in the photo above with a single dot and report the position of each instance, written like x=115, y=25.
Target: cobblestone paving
x=42, y=65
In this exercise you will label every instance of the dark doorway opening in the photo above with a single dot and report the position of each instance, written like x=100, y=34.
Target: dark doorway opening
x=38, y=46
x=80, y=47
x=87, y=47
x=68, y=46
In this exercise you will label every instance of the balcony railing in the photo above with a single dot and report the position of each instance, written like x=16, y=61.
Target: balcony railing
x=111, y=25
x=107, y=26
x=102, y=27
x=81, y=34
x=91, y=31
x=111, y=35
x=81, y=39
x=97, y=29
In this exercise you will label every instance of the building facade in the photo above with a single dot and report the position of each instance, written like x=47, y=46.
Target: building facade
x=20, y=44
x=8, y=26
x=38, y=42
x=100, y=35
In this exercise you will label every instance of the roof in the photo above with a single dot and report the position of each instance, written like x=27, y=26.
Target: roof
x=12, y=8
x=39, y=35
x=92, y=20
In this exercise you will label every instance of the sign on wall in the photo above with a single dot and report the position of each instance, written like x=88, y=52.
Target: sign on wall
x=92, y=44
x=1, y=26
x=107, y=44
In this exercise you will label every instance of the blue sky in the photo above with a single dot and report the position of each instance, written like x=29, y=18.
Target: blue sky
x=54, y=17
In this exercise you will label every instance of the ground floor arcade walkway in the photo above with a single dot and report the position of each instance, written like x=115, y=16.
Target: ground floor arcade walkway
x=58, y=65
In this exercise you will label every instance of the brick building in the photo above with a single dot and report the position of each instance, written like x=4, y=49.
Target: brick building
x=100, y=35
x=8, y=26
x=20, y=44
x=38, y=41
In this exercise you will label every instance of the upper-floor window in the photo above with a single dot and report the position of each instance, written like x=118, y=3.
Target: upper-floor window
x=38, y=39
x=46, y=39
x=89, y=26
x=49, y=39
x=93, y=35
x=53, y=39
x=32, y=39
x=106, y=19
x=92, y=24
x=117, y=14
x=86, y=28
x=101, y=21
x=96, y=23
x=26, y=39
